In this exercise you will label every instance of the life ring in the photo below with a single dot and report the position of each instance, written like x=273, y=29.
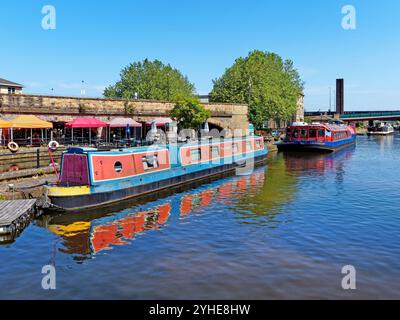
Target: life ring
x=53, y=145
x=13, y=146
x=13, y=168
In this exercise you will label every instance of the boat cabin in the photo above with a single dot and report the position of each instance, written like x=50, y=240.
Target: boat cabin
x=318, y=133
x=88, y=166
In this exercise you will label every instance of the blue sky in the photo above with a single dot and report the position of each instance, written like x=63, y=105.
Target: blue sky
x=94, y=40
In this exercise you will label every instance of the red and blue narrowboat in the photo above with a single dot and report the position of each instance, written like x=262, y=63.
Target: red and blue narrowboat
x=326, y=137
x=91, y=177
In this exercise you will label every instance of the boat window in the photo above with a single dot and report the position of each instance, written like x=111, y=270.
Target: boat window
x=258, y=143
x=248, y=146
x=295, y=133
x=303, y=133
x=150, y=162
x=288, y=133
x=195, y=154
x=118, y=167
x=321, y=133
x=235, y=148
x=214, y=151
x=313, y=133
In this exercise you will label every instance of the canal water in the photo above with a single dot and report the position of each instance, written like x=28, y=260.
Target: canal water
x=285, y=231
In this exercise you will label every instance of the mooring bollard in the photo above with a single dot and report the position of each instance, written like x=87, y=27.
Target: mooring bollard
x=37, y=158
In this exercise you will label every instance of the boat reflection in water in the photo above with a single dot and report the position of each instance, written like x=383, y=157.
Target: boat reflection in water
x=298, y=162
x=84, y=235
x=256, y=199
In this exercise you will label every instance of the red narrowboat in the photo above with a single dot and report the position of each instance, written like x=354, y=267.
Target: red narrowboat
x=326, y=137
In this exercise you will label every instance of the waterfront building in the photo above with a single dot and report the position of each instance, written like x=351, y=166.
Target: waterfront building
x=9, y=87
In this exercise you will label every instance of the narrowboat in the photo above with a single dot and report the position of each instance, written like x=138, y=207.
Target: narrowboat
x=380, y=129
x=327, y=137
x=91, y=177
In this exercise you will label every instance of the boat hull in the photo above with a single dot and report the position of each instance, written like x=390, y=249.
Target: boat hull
x=377, y=133
x=92, y=200
x=314, y=147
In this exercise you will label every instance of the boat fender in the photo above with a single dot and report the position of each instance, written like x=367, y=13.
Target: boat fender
x=53, y=145
x=13, y=146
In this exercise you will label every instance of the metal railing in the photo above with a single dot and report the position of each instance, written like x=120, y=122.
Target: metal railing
x=36, y=158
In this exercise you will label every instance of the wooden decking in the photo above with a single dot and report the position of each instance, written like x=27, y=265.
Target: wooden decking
x=15, y=214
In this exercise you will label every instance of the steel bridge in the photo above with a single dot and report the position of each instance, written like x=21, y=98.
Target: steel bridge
x=360, y=115
x=370, y=115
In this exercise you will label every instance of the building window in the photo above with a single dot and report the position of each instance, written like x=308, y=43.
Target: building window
x=11, y=90
x=150, y=162
x=118, y=167
x=214, y=151
x=195, y=154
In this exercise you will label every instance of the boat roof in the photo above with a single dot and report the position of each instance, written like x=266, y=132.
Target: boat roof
x=81, y=150
x=329, y=126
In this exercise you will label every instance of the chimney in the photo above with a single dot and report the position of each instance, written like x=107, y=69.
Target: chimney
x=339, y=96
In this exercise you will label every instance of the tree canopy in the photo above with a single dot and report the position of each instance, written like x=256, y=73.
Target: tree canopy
x=189, y=112
x=151, y=80
x=270, y=86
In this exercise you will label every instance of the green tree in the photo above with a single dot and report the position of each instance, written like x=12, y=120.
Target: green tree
x=151, y=80
x=270, y=86
x=189, y=112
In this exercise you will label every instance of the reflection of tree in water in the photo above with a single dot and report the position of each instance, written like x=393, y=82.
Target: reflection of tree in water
x=276, y=190
x=281, y=183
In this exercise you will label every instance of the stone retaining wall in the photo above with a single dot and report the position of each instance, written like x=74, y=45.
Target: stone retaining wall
x=63, y=109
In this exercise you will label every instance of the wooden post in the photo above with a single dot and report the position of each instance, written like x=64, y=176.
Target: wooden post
x=38, y=158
